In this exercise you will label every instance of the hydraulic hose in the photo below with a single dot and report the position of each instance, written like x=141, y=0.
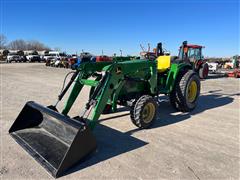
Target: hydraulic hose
x=64, y=90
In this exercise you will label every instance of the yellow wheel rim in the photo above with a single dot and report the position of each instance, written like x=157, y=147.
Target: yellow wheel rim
x=148, y=112
x=192, y=91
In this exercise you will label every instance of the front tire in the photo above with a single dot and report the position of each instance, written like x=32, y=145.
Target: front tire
x=144, y=111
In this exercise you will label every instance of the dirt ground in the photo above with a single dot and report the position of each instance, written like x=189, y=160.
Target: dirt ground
x=203, y=144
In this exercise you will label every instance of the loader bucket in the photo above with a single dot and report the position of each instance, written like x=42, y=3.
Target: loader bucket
x=56, y=141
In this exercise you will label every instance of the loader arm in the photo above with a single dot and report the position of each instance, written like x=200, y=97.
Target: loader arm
x=109, y=86
x=85, y=71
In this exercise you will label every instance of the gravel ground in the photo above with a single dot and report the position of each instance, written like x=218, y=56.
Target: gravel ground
x=203, y=144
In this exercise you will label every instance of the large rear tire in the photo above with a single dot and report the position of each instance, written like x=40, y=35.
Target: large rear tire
x=203, y=71
x=186, y=91
x=144, y=111
x=173, y=96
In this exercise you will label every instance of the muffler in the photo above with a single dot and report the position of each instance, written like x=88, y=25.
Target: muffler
x=56, y=141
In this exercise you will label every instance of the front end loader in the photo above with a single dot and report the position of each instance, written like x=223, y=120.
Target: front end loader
x=58, y=141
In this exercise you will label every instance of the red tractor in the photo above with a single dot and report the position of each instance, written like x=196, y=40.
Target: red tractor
x=103, y=58
x=193, y=54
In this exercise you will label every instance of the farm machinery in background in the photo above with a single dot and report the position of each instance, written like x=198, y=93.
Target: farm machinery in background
x=232, y=63
x=193, y=54
x=233, y=67
x=3, y=54
x=190, y=54
x=58, y=141
x=72, y=61
x=56, y=59
x=228, y=67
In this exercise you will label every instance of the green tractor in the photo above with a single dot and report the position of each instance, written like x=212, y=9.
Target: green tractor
x=58, y=141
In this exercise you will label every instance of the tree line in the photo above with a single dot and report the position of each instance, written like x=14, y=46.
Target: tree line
x=20, y=44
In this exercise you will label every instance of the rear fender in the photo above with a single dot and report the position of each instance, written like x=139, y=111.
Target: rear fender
x=173, y=74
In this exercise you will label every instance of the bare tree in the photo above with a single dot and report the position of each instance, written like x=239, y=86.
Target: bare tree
x=37, y=46
x=18, y=44
x=3, y=41
x=22, y=45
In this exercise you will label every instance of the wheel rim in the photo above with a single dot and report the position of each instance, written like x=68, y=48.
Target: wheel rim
x=148, y=112
x=192, y=91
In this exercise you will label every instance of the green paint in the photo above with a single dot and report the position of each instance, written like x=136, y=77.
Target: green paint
x=122, y=79
x=89, y=82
